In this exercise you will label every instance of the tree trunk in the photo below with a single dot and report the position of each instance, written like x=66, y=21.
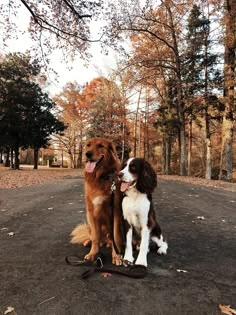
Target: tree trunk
x=7, y=162
x=183, y=153
x=168, y=156
x=208, y=146
x=226, y=167
x=36, y=158
x=139, y=136
x=163, y=155
x=180, y=101
x=12, y=158
x=136, y=123
x=71, y=164
x=80, y=155
x=190, y=142
x=17, y=161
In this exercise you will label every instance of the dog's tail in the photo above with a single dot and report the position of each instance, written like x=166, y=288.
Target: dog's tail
x=81, y=235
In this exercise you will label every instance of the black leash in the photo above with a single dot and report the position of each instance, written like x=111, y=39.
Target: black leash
x=131, y=271
x=113, y=189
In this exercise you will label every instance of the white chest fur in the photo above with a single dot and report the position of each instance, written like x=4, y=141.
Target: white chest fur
x=136, y=208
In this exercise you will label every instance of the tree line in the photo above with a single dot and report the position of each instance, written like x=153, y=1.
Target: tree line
x=181, y=65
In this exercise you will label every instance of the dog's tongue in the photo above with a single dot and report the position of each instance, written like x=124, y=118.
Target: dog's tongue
x=90, y=166
x=124, y=186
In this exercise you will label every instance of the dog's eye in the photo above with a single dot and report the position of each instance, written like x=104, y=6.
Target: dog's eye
x=132, y=168
x=88, y=145
x=100, y=145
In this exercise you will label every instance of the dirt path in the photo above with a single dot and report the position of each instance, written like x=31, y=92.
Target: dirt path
x=36, y=280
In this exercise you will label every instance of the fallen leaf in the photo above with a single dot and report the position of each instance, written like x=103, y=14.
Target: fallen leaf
x=10, y=234
x=201, y=218
x=105, y=274
x=181, y=270
x=9, y=310
x=226, y=309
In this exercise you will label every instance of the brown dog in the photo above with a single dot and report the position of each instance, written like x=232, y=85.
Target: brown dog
x=101, y=168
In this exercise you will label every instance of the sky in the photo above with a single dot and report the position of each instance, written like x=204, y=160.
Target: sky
x=99, y=64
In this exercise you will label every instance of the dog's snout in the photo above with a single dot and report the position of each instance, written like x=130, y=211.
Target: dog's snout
x=89, y=154
x=120, y=175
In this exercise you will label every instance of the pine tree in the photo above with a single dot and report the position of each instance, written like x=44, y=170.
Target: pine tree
x=202, y=76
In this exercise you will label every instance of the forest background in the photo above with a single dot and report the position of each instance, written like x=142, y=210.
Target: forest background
x=170, y=98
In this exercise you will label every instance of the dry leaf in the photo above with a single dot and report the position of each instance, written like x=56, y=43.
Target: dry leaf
x=9, y=310
x=201, y=218
x=181, y=270
x=106, y=274
x=226, y=309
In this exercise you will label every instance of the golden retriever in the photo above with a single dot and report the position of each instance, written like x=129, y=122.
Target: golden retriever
x=101, y=168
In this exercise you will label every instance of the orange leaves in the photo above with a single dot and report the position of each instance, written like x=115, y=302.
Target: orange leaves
x=105, y=274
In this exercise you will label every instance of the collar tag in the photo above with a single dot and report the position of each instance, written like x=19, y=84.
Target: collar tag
x=113, y=186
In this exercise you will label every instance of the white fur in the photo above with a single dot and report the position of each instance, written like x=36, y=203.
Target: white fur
x=127, y=177
x=135, y=210
x=163, y=246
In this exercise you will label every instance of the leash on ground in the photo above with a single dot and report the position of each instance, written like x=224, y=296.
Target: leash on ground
x=132, y=271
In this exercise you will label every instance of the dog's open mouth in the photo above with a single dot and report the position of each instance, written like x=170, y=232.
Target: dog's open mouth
x=91, y=165
x=125, y=185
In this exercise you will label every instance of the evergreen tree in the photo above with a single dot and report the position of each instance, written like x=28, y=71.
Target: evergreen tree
x=202, y=77
x=25, y=111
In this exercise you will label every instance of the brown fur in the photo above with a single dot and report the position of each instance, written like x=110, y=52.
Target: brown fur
x=98, y=200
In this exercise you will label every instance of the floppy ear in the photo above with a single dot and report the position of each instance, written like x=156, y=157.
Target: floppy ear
x=147, y=178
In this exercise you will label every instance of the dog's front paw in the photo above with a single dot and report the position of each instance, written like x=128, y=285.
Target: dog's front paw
x=141, y=261
x=162, y=250
x=90, y=256
x=127, y=263
x=129, y=259
x=117, y=260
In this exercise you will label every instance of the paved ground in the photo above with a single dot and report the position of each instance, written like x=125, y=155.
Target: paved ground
x=34, y=278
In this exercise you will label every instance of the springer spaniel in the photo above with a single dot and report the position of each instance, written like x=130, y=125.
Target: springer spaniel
x=138, y=181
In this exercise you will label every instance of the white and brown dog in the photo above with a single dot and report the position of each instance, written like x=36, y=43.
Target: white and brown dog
x=138, y=181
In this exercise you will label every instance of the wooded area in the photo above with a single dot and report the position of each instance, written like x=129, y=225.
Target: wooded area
x=170, y=98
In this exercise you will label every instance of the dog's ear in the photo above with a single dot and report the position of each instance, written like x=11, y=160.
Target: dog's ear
x=147, y=178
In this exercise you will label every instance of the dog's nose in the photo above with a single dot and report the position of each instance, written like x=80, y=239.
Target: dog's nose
x=120, y=175
x=89, y=154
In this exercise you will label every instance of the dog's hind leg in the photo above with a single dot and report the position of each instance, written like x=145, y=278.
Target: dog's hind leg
x=157, y=237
